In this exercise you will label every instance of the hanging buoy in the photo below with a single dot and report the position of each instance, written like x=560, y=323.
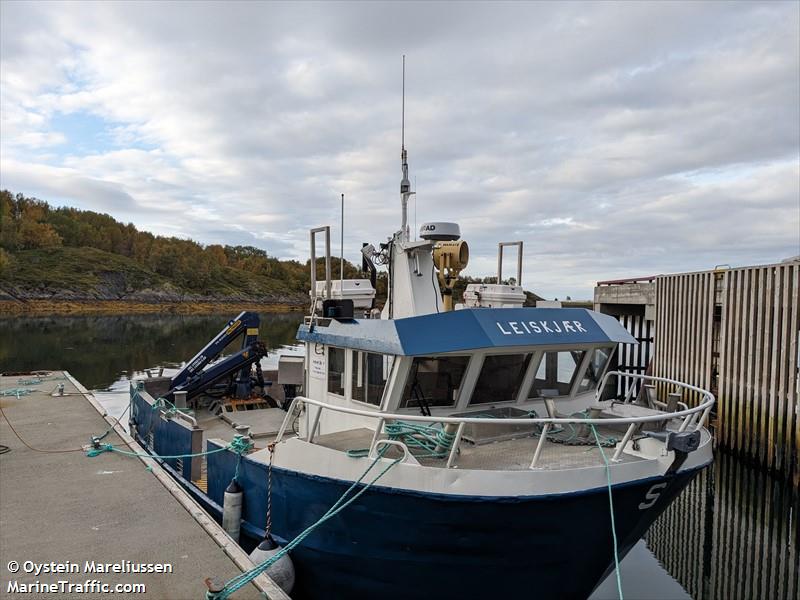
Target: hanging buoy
x=282, y=572
x=232, y=510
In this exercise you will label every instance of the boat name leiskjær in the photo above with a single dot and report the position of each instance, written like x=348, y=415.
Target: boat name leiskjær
x=530, y=327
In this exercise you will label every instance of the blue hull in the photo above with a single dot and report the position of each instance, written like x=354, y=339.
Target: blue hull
x=394, y=543
x=398, y=544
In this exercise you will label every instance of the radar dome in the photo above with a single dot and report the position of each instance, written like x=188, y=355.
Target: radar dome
x=440, y=231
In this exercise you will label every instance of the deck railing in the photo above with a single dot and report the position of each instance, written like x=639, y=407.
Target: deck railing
x=691, y=418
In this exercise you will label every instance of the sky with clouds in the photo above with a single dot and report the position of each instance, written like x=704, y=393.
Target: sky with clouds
x=613, y=139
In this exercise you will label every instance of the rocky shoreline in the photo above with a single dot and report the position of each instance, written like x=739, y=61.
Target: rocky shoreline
x=122, y=307
x=43, y=300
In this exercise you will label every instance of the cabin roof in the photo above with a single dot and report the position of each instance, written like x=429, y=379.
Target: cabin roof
x=470, y=329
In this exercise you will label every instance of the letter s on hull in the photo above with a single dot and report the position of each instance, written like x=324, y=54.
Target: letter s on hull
x=652, y=495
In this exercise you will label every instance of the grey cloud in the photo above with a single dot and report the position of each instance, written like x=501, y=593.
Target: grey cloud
x=614, y=139
x=63, y=184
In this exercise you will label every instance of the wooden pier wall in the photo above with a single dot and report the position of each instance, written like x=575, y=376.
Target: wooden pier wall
x=735, y=332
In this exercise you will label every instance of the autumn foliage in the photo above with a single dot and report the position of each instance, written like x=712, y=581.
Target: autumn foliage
x=28, y=223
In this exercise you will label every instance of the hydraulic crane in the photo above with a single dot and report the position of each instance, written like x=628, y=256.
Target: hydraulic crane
x=194, y=378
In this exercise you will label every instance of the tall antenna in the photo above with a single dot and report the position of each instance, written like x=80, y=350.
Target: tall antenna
x=403, y=112
x=405, y=185
x=341, y=252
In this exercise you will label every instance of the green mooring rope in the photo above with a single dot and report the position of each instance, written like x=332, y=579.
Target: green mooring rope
x=110, y=429
x=170, y=410
x=426, y=438
x=37, y=379
x=569, y=433
x=16, y=392
x=238, y=444
x=343, y=502
x=610, y=510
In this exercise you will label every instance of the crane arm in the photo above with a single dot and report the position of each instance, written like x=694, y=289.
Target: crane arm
x=239, y=361
x=245, y=324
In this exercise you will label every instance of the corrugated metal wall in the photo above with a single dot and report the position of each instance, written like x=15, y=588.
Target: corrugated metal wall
x=736, y=332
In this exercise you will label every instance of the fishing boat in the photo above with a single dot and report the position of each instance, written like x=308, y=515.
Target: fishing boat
x=494, y=451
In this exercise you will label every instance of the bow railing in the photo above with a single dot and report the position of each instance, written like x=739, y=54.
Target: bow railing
x=687, y=418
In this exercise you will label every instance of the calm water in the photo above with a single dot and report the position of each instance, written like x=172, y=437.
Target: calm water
x=732, y=534
x=105, y=352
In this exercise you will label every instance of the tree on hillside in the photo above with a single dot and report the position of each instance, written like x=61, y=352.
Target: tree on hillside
x=6, y=263
x=217, y=255
x=23, y=224
x=8, y=225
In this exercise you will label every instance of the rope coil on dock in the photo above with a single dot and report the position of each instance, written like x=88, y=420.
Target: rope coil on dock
x=16, y=392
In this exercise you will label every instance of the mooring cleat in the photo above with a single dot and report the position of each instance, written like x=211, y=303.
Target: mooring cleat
x=215, y=585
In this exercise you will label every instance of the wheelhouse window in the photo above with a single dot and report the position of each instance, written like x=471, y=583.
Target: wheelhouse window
x=370, y=372
x=434, y=382
x=556, y=374
x=597, y=365
x=336, y=371
x=500, y=378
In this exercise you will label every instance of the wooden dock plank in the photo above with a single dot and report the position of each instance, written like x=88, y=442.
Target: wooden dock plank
x=774, y=371
x=758, y=369
x=769, y=341
x=749, y=396
x=723, y=409
x=783, y=403
x=794, y=393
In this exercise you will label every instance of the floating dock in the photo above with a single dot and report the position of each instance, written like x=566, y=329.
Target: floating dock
x=67, y=519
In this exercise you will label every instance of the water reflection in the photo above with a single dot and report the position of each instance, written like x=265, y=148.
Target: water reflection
x=732, y=534
x=98, y=350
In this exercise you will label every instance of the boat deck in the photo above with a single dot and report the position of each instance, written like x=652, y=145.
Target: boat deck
x=506, y=455
x=500, y=454
x=264, y=425
x=65, y=506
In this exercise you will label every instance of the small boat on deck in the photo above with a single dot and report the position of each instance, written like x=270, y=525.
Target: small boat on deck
x=515, y=462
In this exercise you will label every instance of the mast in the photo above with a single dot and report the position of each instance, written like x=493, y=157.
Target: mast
x=341, y=252
x=405, y=185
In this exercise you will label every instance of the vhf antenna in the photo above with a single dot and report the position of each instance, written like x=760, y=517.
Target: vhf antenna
x=405, y=185
x=341, y=252
x=403, y=112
